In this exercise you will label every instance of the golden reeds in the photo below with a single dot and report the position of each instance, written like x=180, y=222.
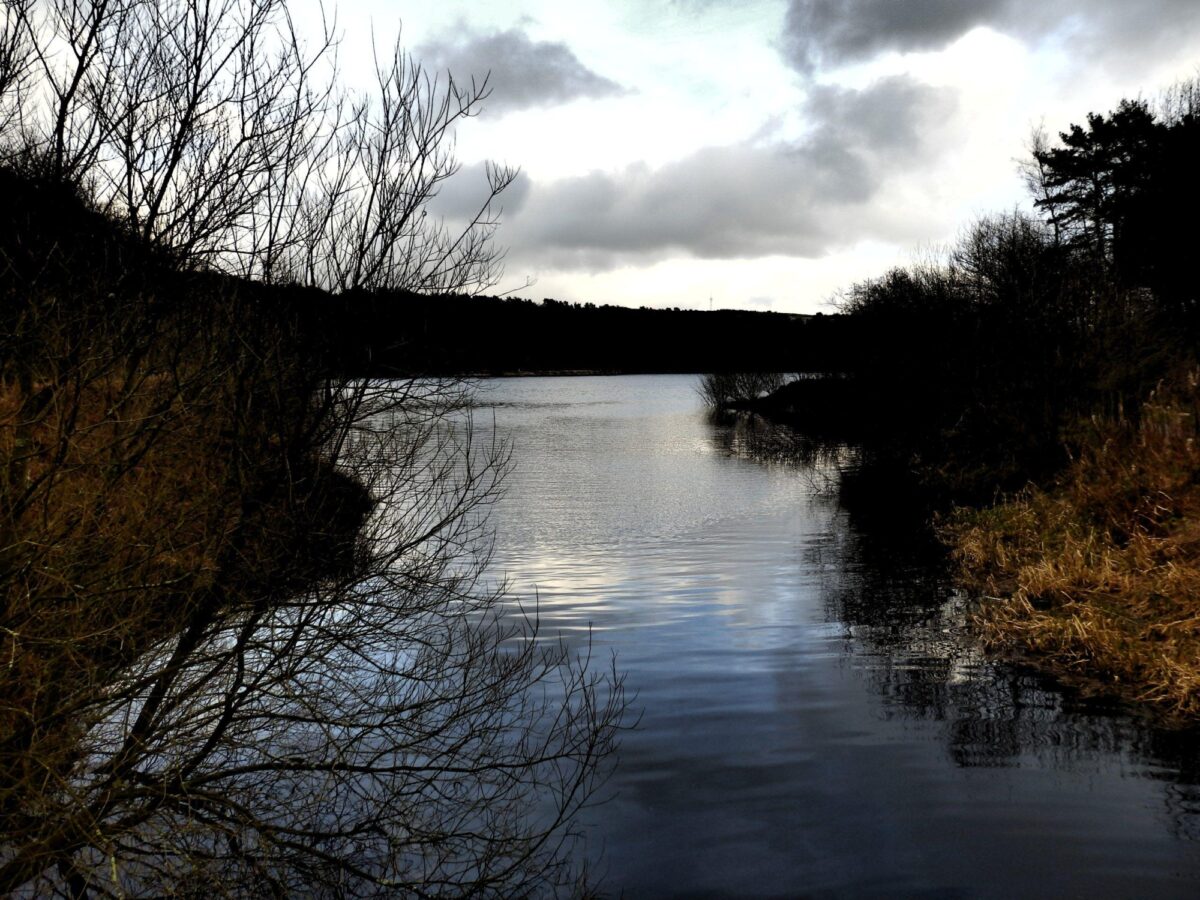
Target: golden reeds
x=1098, y=579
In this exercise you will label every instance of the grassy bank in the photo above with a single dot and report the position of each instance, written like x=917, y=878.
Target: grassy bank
x=224, y=665
x=163, y=468
x=1097, y=578
x=1013, y=377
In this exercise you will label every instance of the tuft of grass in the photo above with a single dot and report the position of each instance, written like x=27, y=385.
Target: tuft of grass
x=1098, y=578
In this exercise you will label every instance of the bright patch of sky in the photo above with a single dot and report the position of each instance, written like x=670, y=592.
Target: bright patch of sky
x=764, y=154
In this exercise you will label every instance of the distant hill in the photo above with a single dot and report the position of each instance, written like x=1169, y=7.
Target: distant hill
x=405, y=333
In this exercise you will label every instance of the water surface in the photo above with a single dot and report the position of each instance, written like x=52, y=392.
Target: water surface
x=814, y=719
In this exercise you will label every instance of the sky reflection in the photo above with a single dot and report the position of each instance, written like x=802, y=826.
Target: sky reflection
x=815, y=719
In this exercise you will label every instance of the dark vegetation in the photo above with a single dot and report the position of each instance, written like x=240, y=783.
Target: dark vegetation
x=736, y=390
x=246, y=648
x=1098, y=576
x=1045, y=368
x=979, y=370
x=389, y=333
x=1032, y=326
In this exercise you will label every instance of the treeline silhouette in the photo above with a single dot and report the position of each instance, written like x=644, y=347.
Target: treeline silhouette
x=389, y=333
x=981, y=370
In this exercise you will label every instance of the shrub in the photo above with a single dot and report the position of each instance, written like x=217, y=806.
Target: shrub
x=723, y=390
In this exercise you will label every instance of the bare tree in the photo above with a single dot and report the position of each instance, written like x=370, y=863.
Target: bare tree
x=368, y=224
x=1036, y=177
x=1179, y=101
x=15, y=64
x=388, y=726
x=213, y=128
x=722, y=390
x=249, y=648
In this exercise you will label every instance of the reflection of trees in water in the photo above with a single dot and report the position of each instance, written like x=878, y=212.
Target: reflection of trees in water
x=906, y=632
x=905, y=629
x=750, y=436
x=1183, y=809
x=906, y=626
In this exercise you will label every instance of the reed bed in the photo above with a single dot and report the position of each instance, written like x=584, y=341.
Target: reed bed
x=1098, y=578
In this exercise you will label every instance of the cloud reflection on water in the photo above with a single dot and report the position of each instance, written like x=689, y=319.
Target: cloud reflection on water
x=815, y=715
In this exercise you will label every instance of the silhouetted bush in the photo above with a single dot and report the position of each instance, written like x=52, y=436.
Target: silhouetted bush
x=724, y=390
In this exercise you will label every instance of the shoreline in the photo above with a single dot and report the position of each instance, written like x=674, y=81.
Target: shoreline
x=1093, y=579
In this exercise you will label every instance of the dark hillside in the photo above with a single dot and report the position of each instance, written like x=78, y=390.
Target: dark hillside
x=406, y=333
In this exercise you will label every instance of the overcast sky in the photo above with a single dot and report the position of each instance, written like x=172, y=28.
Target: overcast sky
x=766, y=153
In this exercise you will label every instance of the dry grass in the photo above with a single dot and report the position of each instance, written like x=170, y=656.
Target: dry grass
x=1098, y=580
x=135, y=491
x=115, y=516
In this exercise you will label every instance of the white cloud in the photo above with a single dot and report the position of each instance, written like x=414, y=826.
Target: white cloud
x=748, y=200
x=719, y=160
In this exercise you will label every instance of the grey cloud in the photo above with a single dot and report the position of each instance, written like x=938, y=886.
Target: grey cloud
x=461, y=196
x=524, y=73
x=746, y=200
x=818, y=32
x=894, y=115
x=823, y=33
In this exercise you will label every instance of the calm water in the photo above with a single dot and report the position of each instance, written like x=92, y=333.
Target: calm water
x=813, y=719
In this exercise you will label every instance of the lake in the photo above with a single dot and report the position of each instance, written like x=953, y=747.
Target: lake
x=815, y=720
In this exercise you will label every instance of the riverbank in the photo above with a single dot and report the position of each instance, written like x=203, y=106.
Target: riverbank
x=164, y=469
x=1093, y=575
x=1013, y=379
x=1097, y=578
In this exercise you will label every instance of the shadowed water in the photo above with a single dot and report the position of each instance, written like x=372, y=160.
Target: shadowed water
x=814, y=718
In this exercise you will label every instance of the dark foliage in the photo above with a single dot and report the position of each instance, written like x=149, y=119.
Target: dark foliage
x=973, y=373
x=245, y=647
x=388, y=333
